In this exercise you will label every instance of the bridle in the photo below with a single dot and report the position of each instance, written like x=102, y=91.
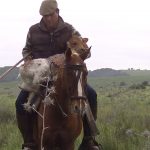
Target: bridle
x=78, y=69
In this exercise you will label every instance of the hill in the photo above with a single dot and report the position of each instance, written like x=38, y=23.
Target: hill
x=136, y=72
x=106, y=72
x=103, y=72
x=12, y=76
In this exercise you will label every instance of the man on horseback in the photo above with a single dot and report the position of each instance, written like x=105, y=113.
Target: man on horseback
x=44, y=39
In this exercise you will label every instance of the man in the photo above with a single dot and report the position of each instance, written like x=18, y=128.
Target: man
x=44, y=39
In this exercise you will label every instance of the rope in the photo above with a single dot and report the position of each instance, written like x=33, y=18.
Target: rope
x=33, y=107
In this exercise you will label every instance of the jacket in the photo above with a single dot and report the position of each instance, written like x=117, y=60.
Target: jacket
x=43, y=43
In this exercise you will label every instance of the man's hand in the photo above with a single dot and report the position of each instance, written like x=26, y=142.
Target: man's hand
x=29, y=58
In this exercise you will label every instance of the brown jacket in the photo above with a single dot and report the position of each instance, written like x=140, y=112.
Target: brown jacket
x=42, y=43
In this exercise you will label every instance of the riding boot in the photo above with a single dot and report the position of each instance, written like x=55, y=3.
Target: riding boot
x=25, y=124
x=89, y=142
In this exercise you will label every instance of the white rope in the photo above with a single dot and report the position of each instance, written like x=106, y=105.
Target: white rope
x=44, y=128
x=36, y=111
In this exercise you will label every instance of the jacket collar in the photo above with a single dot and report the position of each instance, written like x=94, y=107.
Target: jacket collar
x=61, y=25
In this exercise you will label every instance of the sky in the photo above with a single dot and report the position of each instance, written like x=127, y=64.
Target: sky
x=118, y=30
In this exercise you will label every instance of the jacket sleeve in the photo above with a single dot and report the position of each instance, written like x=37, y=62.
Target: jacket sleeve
x=74, y=31
x=27, y=49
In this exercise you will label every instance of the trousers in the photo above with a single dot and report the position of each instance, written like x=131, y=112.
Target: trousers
x=90, y=92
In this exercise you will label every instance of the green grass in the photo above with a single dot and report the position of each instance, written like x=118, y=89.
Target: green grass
x=9, y=134
x=120, y=109
x=121, y=113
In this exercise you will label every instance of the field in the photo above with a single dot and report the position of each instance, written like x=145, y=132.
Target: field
x=123, y=113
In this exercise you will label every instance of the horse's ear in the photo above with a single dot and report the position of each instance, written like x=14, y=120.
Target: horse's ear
x=68, y=44
x=68, y=54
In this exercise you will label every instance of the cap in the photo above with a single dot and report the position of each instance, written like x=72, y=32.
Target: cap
x=48, y=7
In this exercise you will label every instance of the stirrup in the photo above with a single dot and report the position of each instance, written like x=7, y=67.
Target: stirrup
x=27, y=148
x=89, y=143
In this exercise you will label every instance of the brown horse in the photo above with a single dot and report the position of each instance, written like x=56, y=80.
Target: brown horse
x=60, y=121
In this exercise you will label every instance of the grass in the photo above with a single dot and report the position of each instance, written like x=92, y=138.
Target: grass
x=9, y=134
x=123, y=114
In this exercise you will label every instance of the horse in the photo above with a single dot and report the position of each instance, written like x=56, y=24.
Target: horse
x=59, y=122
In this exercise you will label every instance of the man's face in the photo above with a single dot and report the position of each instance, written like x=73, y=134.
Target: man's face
x=51, y=20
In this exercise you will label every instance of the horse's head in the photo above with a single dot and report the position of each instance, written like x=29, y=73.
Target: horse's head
x=75, y=73
x=79, y=45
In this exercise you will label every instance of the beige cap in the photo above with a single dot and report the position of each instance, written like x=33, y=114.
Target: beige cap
x=48, y=7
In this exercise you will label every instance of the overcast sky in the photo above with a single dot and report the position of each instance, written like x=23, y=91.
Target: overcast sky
x=118, y=30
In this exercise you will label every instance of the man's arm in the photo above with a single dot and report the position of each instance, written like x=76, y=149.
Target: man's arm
x=74, y=31
x=28, y=46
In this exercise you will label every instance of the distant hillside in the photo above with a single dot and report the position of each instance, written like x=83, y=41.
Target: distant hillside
x=137, y=72
x=106, y=72
x=12, y=76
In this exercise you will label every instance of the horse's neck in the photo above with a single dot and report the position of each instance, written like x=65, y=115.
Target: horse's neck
x=62, y=93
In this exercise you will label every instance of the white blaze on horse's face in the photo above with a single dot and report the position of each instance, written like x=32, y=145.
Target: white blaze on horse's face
x=80, y=90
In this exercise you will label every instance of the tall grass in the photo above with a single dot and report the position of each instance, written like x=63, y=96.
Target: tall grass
x=9, y=135
x=123, y=115
x=124, y=118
